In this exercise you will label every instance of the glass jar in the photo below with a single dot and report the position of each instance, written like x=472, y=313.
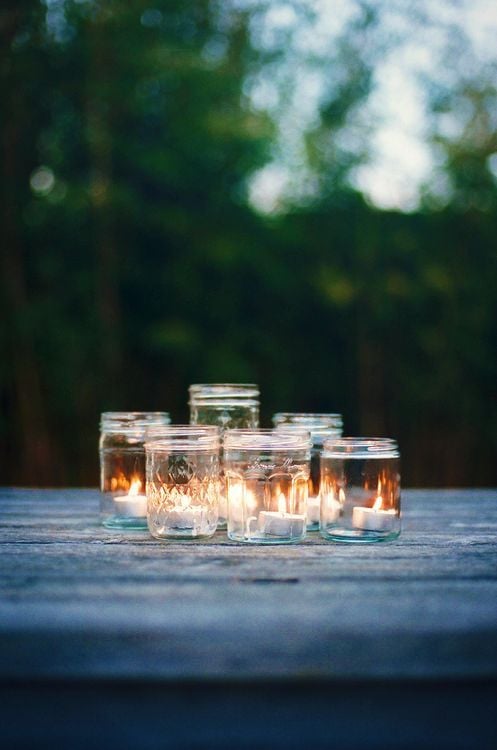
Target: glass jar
x=229, y=406
x=183, y=482
x=360, y=489
x=321, y=427
x=267, y=473
x=122, y=466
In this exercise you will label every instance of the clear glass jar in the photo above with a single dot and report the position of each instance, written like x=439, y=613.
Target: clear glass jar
x=321, y=427
x=183, y=482
x=123, y=502
x=360, y=489
x=229, y=406
x=267, y=473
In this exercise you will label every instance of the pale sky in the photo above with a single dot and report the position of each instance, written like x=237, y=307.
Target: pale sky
x=400, y=159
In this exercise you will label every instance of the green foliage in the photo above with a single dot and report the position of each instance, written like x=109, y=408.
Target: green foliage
x=132, y=265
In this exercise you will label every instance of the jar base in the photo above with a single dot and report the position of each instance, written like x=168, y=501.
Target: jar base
x=269, y=539
x=125, y=522
x=357, y=536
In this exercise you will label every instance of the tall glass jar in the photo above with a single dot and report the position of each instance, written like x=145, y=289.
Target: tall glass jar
x=183, y=482
x=122, y=466
x=267, y=472
x=360, y=489
x=228, y=406
x=321, y=427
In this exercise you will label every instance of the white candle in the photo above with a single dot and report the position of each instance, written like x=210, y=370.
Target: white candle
x=313, y=509
x=185, y=518
x=133, y=506
x=280, y=524
x=373, y=519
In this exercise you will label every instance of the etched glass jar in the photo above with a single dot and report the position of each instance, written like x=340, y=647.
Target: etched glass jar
x=122, y=466
x=228, y=406
x=183, y=482
x=267, y=473
x=360, y=489
x=321, y=427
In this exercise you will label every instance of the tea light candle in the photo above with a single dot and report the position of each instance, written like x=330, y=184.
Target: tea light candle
x=131, y=505
x=373, y=519
x=313, y=509
x=185, y=518
x=280, y=524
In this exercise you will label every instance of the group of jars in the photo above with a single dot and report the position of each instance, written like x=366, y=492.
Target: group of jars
x=262, y=485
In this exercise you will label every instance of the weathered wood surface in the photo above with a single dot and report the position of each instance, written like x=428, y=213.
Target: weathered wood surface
x=413, y=620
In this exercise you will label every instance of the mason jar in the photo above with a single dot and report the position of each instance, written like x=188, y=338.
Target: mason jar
x=228, y=406
x=267, y=473
x=123, y=502
x=360, y=489
x=183, y=479
x=321, y=427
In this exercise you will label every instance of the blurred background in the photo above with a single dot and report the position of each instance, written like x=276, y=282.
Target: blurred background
x=297, y=194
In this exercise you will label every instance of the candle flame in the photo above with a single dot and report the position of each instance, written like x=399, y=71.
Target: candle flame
x=135, y=486
x=341, y=496
x=378, y=503
x=281, y=503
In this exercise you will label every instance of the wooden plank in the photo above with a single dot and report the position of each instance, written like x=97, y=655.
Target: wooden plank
x=123, y=605
x=116, y=640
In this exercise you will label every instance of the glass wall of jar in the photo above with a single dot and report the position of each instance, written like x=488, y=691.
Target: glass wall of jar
x=183, y=482
x=229, y=406
x=123, y=502
x=321, y=427
x=360, y=489
x=267, y=473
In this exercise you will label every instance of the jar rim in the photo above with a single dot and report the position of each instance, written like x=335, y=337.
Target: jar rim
x=360, y=447
x=262, y=438
x=132, y=415
x=185, y=438
x=132, y=421
x=229, y=401
x=304, y=416
x=318, y=433
x=223, y=390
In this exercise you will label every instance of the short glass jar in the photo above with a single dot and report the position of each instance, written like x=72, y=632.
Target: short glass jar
x=266, y=473
x=122, y=466
x=183, y=482
x=321, y=427
x=360, y=489
x=229, y=406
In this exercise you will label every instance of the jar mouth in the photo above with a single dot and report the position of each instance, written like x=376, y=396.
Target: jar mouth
x=266, y=439
x=360, y=447
x=114, y=421
x=184, y=438
x=225, y=403
x=224, y=390
x=296, y=417
x=318, y=433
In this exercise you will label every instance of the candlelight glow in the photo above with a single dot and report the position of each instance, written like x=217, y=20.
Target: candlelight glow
x=250, y=501
x=119, y=483
x=341, y=496
x=281, y=503
x=135, y=486
x=378, y=502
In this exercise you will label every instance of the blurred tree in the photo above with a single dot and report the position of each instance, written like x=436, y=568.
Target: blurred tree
x=132, y=264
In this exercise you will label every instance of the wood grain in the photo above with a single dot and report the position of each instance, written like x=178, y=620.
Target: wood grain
x=82, y=605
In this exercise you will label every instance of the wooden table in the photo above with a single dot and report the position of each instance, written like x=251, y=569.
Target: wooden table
x=111, y=639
